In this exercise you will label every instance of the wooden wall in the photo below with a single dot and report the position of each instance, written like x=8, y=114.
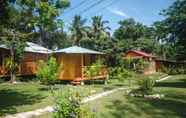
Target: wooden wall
x=3, y=54
x=71, y=66
x=151, y=68
x=28, y=64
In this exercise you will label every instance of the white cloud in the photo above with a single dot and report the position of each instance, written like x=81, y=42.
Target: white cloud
x=118, y=12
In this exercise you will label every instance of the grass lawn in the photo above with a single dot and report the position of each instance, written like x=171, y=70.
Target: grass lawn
x=120, y=106
x=133, y=81
x=32, y=95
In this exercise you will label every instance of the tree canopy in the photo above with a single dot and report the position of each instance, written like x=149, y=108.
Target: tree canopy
x=39, y=19
x=175, y=24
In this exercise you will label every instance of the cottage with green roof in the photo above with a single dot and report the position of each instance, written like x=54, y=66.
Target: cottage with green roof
x=74, y=60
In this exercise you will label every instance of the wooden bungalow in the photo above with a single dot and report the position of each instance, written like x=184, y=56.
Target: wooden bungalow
x=172, y=64
x=134, y=54
x=74, y=60
x=28, y=66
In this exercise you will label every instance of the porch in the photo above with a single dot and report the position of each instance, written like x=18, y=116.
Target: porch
x=75, y=60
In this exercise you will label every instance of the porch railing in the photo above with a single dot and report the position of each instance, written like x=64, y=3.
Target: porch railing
x=102, y=74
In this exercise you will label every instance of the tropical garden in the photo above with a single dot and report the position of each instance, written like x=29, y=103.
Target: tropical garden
x=130, y=92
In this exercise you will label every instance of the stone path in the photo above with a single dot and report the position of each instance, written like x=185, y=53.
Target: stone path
x=162, y=79
x=97, y=96
x=31, y=114
x=48, y=109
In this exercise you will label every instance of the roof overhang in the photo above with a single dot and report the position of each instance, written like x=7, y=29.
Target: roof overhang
x=31, y=47
x=78, y=50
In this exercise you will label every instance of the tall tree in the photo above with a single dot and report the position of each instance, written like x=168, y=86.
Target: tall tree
x=13, y=36
x=99, y=27
x=43, y=16
x=78, y=30
x=16, y=42
x=130, y=29
x=97, y=34
x=128, y=33
x=134, y=35
x=100, y=39
x=165, y=49
x=175, y=23
x=3, y=12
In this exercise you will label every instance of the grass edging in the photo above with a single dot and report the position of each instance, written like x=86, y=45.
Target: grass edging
x=164, y=78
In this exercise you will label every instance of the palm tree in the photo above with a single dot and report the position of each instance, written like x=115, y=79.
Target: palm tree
x=78, y=30
x=98, y=33
x=98, y=27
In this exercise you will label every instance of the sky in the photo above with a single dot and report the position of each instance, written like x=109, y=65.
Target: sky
x=144, y=11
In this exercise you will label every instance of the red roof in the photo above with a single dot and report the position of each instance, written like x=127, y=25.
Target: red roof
x=144, y=54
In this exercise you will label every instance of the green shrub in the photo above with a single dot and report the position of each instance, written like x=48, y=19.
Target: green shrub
x=126, y=63
x=120, y=73
x=173, y=70
x=141, y=64
x=147, y=85
x=163, y=69
x=68, y=105
x=48, y=71
x=137, y=65
x=94, y=69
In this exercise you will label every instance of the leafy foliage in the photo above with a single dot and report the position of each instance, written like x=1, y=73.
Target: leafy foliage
x=146, y=85
x=174, y=69
x=42, y=18
x=13, y=36
x=68, y=105
x=94, y=69
x=173, y=28
x=10, y=65
x=4, y=11
x=48, y=71
x=97, y=35
x=120, y=73
x=141, y=64
x=78, y=30
x=136, y=65
x=134, y=35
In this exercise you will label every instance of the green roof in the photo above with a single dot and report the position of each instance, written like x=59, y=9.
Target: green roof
x=31, y=47
x=77, y=50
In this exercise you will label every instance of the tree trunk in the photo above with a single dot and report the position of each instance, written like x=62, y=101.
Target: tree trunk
x=42, y=35
x=12, y=77
x=13, y=64
x=13, y=68
x=76, y=41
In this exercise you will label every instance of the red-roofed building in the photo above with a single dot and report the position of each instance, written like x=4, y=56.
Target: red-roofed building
x=139, y=54
x=135, y=54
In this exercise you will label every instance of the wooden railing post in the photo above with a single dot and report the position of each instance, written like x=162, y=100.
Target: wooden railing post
x=82, y=66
